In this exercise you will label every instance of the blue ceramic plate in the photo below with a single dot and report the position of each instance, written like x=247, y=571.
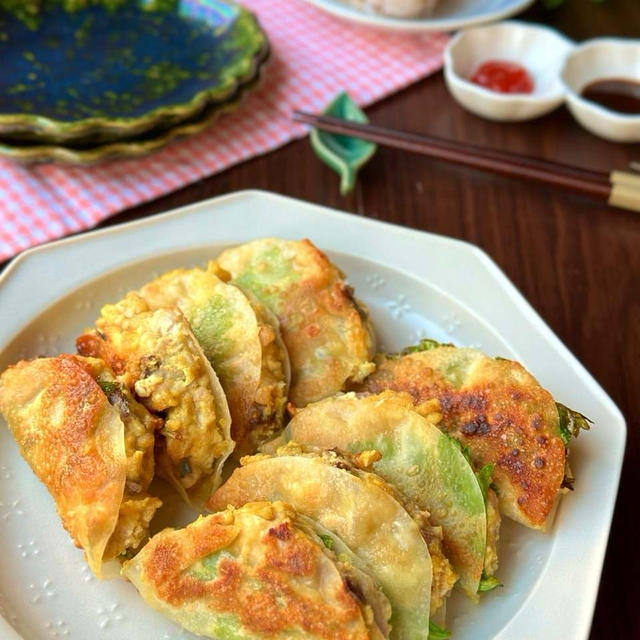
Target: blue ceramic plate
x=99, y=74
x=89, y=153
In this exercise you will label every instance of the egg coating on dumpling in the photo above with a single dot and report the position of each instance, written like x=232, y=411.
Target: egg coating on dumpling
x=155, y=354
x=241, y=341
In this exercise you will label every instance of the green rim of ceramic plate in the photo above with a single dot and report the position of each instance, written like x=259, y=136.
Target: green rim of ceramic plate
x=127, y=149
x=59, y=131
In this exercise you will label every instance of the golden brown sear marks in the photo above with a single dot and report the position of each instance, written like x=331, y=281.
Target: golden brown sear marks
x=73, y=440
x=62, y=408
x=77, y=445
x=360, y=508
x=496, y=408
x=254, y=564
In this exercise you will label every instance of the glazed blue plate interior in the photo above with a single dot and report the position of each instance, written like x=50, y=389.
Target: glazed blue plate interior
x=122, y=63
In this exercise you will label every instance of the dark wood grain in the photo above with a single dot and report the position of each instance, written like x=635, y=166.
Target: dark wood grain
x=575, y=260
x=595, y=184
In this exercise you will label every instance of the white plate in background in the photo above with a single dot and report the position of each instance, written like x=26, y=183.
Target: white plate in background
x=416, y=284
x=448, y=15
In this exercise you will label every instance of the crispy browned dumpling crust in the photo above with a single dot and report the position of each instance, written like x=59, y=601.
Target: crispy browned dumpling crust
x=255, y=569
x=325, y=330
x=499, y=410
x=360, y=508
x=74, y=441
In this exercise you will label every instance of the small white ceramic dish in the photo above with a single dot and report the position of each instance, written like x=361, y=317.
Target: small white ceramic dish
x=416, y=285
x=540, y=49
x=447, y=15
x=600, y=59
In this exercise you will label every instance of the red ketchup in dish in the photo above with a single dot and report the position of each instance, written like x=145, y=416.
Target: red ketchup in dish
x=503, y=76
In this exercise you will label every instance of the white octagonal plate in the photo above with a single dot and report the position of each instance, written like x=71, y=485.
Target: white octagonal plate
x=416, y=284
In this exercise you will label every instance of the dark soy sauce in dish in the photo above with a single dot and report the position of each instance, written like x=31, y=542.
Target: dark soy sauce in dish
x=616, y=94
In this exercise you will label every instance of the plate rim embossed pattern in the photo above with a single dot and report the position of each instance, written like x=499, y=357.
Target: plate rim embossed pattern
x=573, y=553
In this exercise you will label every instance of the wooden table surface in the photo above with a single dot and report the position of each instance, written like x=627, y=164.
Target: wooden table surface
x=576, y=261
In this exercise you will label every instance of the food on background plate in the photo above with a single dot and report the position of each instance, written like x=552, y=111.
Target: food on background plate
x=241, y=339
x=91, y=444
x=397, y=8
x=358, y=508
x=497, y=409
x=155, y=355
x=255, y=572
x=327, y=332
x=425, y=464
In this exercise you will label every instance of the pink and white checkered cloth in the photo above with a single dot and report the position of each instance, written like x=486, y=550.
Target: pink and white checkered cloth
x=314, y=56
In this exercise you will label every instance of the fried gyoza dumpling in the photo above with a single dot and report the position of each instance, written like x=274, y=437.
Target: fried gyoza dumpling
x=253, y=572
x=244, y=348
x=155, y=354
x=325, y=330
x=496, y=408
x=355, y=507
x=91, y=444
x=426, y=465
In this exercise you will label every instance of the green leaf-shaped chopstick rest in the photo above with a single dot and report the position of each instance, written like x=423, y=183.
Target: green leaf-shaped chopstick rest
x=343, y=154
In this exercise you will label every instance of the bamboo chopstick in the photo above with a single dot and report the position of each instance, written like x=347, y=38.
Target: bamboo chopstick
x=619, y=188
